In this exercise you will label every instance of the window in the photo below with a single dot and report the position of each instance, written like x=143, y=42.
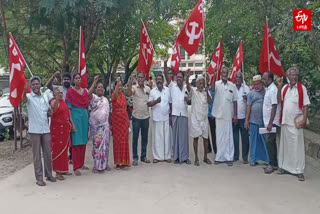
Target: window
x=199, y=64
x=190, y=65
x=182, y=53
x=199, y=72
x=183, y=65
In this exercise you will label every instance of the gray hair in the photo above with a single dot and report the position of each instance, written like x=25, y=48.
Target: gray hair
x=35, y=78
x=292, y=69
x=225, y=67
x=199, y=78
x=55, y=89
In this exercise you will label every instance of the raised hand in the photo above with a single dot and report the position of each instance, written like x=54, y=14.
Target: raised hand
x=166, y=58
x=96, y=78
x=57, y=74
x=280, y=82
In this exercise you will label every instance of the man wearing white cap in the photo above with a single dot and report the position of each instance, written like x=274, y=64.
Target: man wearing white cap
x=254, y=116
x=224, y=110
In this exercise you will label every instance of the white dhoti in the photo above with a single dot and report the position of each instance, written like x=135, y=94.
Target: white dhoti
x=224, y=140
x=199, y=128
x=161, y=142
x=291, y=151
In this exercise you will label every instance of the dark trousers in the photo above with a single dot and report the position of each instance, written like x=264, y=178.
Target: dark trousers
x=212, y=123
x=41, y=142
x=271, y=141
x=244, y=140
x=137, y=125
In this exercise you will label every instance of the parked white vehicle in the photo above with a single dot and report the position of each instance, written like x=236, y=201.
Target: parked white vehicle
x=6, y=115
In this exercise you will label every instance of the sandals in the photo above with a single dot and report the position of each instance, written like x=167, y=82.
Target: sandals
x=85, y=168
x=230, y=163
x=118, y=167
x=269, y=169
x=146, y=161
x=176, y=161
x=245, y=162
x=168, y=161
x=282, y=172
x=60, y=177
x=94, y=170
x=77, y=173
x=217, y=162
x=135, y=162
x=253, y=164
x=207, y=161
x=155, y=161
x=187, y=162
x=196, y=163
x=66, y=173
x=300, y=177
x=108, y=168
x=41, y=183
x=51, y=179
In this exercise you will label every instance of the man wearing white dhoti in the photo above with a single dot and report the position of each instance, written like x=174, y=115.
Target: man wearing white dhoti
x=199, y=116
x=295, y=101
x=159, y=102
x=224, y=110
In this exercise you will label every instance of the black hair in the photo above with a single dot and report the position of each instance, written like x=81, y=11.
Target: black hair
x=68, y=75
x=35, y=78
x=140, y=72
x=170, y=69
x=270, y=75
x=180, y=72
x=76, y=74
x=160, y=75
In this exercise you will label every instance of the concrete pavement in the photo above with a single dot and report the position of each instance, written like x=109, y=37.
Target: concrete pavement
x=164, y=188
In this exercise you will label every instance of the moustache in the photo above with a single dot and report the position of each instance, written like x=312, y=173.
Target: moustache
x=66, y=84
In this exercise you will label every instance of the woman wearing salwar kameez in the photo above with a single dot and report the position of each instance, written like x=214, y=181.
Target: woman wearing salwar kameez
x=78, y=101
x=99, y=127
x=60, y=133
x=120, y=128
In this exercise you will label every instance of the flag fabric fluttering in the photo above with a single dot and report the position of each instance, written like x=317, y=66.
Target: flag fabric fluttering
x=216, y=63
x=176, y=58
x=237, y=62
x=146, y=52
x=269, y=57
x=17, y=79
x=82, y=61
x=193, y=30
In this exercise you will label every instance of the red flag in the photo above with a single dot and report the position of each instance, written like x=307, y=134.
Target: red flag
x=17, y=79
x=82, y=62
x=237, y=62
x=269, y=61
x=216, y=62
x=176, y=59
x=146, y=52
x=193, y=30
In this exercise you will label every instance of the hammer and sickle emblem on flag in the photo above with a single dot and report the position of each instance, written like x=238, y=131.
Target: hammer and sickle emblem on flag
x=192, y=35
x=146, y=51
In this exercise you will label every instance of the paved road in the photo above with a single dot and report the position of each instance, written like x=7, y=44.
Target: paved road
x=164, y=188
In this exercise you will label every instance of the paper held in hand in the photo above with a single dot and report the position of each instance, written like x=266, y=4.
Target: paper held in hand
x=265, y=131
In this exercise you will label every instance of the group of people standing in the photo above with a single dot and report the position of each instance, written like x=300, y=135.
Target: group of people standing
x=223, y=107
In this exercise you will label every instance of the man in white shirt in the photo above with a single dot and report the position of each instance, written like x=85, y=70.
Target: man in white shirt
x=271, y=118
x=159, y=101
x=39, y=132
x=225, y=111
x=295, y=101
x=179, y=98
x=199, y=117
x=243, y=90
